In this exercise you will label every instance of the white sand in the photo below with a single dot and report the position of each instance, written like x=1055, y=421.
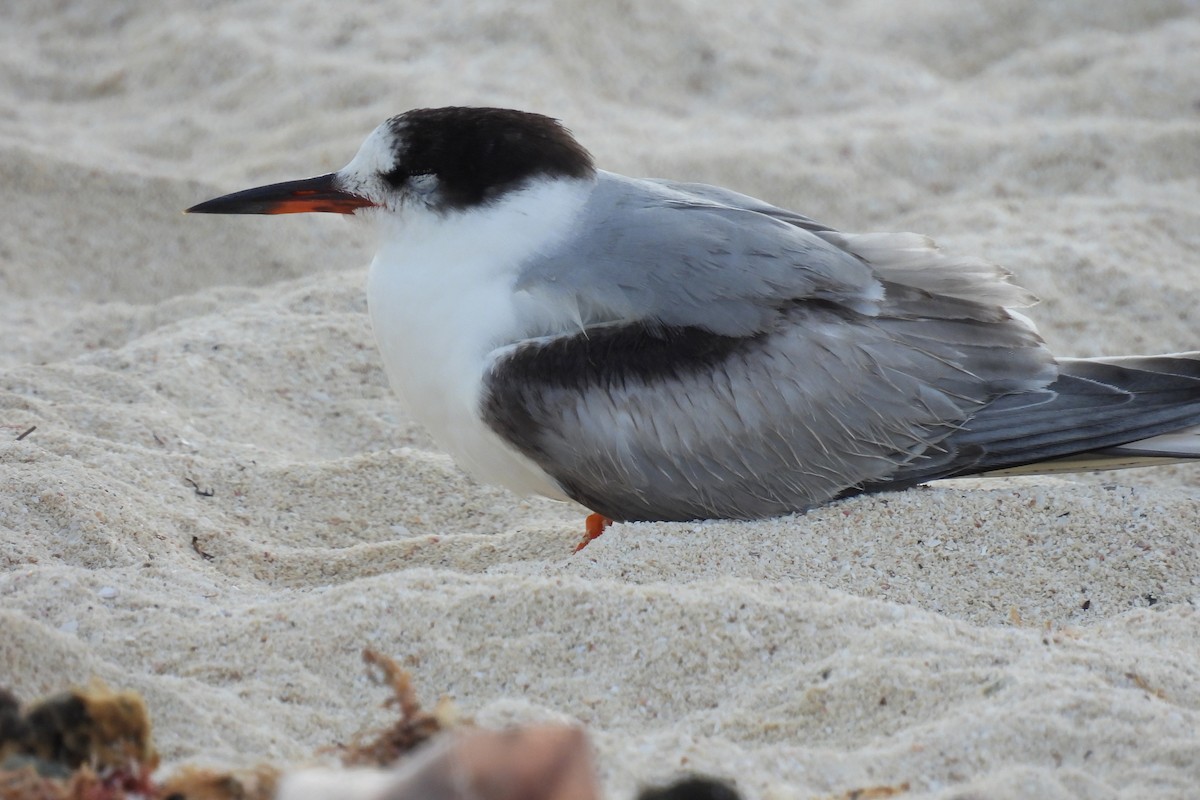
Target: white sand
x=1007, y=639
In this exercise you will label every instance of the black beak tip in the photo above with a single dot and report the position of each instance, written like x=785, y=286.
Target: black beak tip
x=230, y=204
x=259, y=200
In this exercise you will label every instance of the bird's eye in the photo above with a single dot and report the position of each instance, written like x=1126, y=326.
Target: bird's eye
x=396, y=177
x=414, y=178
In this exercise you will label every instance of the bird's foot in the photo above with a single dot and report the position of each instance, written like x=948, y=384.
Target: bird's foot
x=593, y=527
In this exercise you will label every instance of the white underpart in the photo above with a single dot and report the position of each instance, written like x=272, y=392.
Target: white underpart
x=442, y=301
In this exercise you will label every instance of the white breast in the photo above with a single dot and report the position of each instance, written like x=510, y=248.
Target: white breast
x=441, y=300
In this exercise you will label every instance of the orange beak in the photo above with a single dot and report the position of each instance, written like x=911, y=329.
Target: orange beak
x=290, y=197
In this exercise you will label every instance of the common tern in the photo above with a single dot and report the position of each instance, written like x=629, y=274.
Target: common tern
x=658, y=350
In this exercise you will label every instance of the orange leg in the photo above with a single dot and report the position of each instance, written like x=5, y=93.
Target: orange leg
x=595, y=525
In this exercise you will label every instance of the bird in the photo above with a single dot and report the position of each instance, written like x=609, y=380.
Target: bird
x=658, y=350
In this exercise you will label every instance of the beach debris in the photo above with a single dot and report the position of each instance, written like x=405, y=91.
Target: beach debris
x=1145, y=686
x=437, y=755
x=201, y=783
x=93, y=726
x=86, y=744
x=531, y=762
x=873, y=792
x=693, y=787
x=199, y=549
x=94, y=744
x=196, y=488
x=415, y=726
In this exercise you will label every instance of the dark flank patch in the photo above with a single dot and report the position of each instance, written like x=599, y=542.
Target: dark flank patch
x=479, y=153
x=515, y=405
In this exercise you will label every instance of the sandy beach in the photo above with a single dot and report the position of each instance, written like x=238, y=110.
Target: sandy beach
x=209, y=495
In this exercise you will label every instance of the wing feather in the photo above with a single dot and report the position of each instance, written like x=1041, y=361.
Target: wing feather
x=740, y=360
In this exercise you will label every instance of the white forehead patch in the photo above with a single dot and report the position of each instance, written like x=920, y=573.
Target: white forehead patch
x=376, y=156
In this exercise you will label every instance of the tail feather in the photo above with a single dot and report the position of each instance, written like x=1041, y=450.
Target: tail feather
x=1157, y=451
x=1183, y=444
x=1101, y=413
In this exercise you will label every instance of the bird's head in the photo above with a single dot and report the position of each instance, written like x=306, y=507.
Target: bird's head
x=443, y=159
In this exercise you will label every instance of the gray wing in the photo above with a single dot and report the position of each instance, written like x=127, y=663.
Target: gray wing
x=693, y=255
x=743, y=361
x=718, y=195
x=649, y=251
